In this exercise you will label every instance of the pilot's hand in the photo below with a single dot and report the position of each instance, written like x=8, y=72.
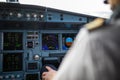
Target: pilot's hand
x=48, y=75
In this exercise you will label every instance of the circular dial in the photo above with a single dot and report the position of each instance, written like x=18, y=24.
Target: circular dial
x=50, y=42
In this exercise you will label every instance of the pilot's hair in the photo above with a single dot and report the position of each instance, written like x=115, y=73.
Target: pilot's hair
x=106, y=1
x=91, y=58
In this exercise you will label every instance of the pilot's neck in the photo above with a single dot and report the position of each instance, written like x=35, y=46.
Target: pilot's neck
x=116, y=14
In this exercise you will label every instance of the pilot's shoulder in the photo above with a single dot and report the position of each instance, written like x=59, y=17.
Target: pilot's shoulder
x=97, y=23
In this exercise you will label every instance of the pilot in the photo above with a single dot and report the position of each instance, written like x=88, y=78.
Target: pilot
x=95, y=53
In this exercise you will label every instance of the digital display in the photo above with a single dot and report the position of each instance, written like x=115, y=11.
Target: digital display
x=32, y=66
x=30, y=44
x=67, y=40
x=32, y=76
x=13, y=41
x=12, y=62
x=50, y=42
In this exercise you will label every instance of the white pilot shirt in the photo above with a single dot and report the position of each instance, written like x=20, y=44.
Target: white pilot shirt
x=91, y=56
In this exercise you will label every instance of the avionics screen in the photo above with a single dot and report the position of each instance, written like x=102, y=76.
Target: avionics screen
x=12, y=62
x=67, y=40
x=50, y=42
x=13, y=41
x=32, y=66
x=32, y=76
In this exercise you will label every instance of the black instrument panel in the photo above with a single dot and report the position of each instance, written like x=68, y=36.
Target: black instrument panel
x=12, y=62
x=13, y=41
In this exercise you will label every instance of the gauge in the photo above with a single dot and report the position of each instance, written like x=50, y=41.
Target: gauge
x=50, y=42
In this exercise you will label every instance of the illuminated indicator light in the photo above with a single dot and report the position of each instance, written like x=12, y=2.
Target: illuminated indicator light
x=41, y=16
x=28, y=15
x=35, y=15
x=19, y=15
x=11, y=13
x=18, y=76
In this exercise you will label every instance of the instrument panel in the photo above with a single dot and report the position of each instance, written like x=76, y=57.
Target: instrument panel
x=33, y=36
x=24, y=52
x=12, y=41
x=12, y=62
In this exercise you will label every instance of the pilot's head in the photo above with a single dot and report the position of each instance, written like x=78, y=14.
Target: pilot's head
x=113, y=3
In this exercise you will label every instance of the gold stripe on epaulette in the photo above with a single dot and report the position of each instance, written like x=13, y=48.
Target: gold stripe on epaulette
x=98, y=22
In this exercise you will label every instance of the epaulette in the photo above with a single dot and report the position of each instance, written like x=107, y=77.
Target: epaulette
x=97, y=23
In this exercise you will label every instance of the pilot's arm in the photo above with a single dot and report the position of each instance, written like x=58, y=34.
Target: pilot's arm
x=49, y=75
x=78, y=61
x=90, y=57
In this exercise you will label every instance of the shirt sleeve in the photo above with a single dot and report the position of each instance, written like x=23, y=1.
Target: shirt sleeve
x=86, y=60
x=74, y=62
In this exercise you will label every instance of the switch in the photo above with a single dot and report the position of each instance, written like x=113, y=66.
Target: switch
x=36, y=57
